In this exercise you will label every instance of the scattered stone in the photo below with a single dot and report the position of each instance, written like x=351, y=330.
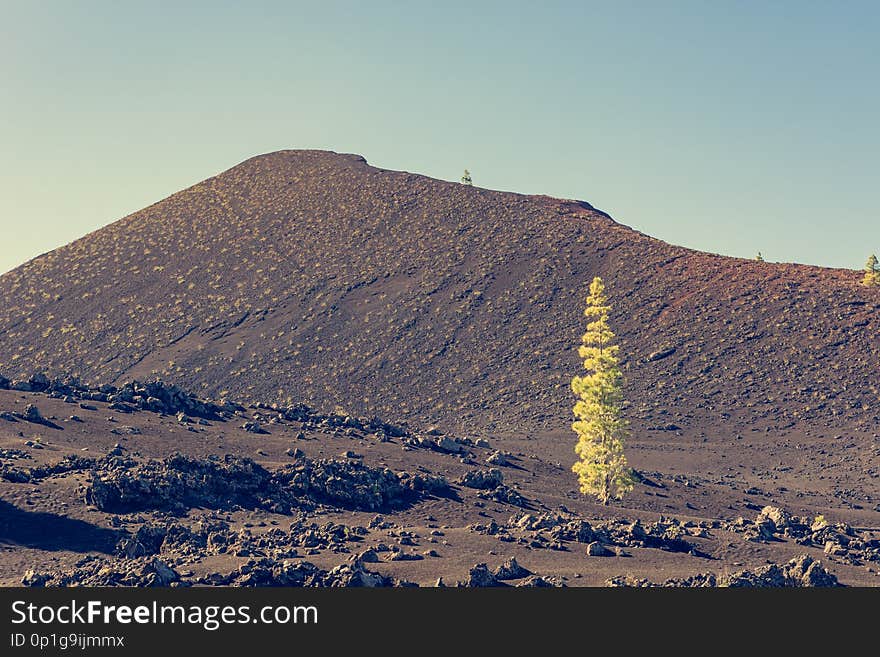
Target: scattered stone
x=369, y=556
x=660, y=354
x=162, y=573
x=447, y=444
x=32, y=414
x=126, y=431
x=505, y=495
x=482, y=479
x=94, y=571
x=379, y=522
x=39, y=382
x=34, y=579
x=535, y=581
x=596, y=549
x=780, y=519
x=36, y=474
x=253, y=427
x=356, y=575
x=700, y=580
x=480, y=576
x=12, y=453
x=834, y=549
x=510, y=569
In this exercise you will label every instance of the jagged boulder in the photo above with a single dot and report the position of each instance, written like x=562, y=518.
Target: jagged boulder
x=481, y=577
x=483, y=479
x=596, y=549
x=775, y=518
x=511, y=569
x=356, y=575
x=32, y=414
x=505, y=495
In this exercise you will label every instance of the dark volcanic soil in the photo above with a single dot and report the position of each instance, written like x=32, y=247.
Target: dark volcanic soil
x=311, y=277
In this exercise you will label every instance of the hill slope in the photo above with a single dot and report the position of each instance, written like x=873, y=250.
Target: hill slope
x=312, y=276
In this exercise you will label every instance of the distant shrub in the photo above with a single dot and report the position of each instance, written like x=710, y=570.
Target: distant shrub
x=466, y=178
x=759, y=257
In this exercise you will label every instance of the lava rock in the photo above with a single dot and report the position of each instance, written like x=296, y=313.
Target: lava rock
x=32, y=414
x=253, y=427
x=510, y=569
x=480, y=576
x=448, y=445
x=596, y=549
x=802, y=571
x=483, y=479
x=778, y=518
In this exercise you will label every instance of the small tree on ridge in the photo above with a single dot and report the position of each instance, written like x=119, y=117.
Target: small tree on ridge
x=872, y=272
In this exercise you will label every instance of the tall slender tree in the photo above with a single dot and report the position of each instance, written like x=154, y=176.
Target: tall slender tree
x=872, y=272
x=601, y=469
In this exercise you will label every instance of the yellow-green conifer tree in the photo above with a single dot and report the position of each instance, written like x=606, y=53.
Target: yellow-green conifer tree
x=602, y=470
x=872, y=272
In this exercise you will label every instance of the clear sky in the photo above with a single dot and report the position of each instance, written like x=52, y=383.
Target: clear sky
x=730, y=127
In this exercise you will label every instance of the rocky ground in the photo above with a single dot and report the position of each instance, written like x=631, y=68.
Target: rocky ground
x=147, y=485
x=454, y=313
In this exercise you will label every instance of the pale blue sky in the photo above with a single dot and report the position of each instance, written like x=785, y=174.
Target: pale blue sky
x=730, y=127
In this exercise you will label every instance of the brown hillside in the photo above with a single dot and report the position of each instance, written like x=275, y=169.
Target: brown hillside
x=312, y=276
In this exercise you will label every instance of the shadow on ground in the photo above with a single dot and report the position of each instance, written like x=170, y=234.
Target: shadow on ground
x=47, y=531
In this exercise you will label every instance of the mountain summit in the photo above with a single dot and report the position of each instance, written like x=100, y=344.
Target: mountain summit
x=312, y=276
